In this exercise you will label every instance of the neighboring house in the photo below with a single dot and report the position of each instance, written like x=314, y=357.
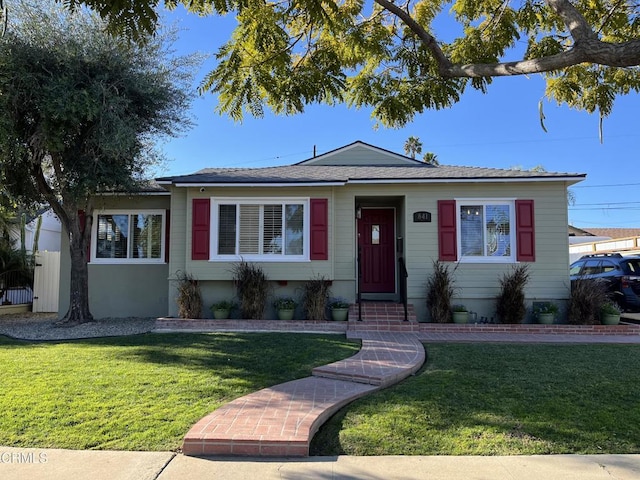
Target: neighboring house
x=355, y=210
x=625, y=241
x=50, y=229
x=49, y=239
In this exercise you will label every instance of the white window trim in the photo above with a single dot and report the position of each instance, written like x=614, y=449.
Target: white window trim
x=213, y=237
x=94, y=237
x=512, y=229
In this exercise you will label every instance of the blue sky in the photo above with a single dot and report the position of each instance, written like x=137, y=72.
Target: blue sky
x=500, y=129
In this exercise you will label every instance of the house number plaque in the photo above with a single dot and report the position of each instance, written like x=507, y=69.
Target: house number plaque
x=420, y=217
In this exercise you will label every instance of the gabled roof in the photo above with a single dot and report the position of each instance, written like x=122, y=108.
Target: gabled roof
x=359, y=163
x=360, y=153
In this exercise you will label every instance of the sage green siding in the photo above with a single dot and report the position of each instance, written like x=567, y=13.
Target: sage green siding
x=216, y=270
x=478, y=283
x=360, y=155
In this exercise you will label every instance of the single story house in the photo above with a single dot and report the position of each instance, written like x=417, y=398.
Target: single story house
x=357, y=216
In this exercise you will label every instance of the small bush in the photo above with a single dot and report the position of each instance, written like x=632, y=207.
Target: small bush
x=510, y=304
x=189, y=298
x=223, y=305
x=252, y=286
x=440, y=291
x=314, y=297
x=587, y=298
x=338, y=302
x=545, y=307
x=285, y=303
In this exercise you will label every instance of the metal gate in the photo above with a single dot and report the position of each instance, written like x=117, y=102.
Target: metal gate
x=46, y=282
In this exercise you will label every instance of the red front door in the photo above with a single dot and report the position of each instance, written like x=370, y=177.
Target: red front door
x=376, y=242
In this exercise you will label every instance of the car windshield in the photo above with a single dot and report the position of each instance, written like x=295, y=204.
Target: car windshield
x=632, y=266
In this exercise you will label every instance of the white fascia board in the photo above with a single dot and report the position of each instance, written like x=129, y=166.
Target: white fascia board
x=286, y=184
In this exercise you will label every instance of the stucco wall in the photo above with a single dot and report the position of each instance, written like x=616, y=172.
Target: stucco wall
x=121, y=290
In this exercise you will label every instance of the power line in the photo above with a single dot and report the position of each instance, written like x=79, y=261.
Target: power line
x=607, y=204
x=594, y=209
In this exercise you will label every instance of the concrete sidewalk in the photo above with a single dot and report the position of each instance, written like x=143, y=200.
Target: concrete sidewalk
x=21, y=464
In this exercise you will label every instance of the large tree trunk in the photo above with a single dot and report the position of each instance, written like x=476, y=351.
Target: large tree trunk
x=79, y=293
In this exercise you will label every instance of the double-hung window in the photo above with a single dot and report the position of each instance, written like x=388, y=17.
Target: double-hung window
x=260, y=229
x=486, y=230
x=125, y=236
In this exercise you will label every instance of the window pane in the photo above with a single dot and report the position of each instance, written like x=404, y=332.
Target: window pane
x=249, y=229
x=147, y=236
x=294, y=233
x=227, y=230
x=498, y=231
x=272, y=229
x=112, y=236
x=471, y=231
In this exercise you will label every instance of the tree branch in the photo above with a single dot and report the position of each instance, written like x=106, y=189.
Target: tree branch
x=430, y=42
x=577, y=25
x=587, y=48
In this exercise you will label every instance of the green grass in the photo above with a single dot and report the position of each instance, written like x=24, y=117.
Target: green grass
x=480, y=399
x=141, y=392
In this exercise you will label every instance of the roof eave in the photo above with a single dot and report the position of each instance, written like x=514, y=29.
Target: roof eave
x=262, y=184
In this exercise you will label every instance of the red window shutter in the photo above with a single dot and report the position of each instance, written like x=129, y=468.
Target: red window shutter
x=200, y=229
x=447, y=238
x=82, y=218
x=319, y=230
x=167, y=234
x=525, y=231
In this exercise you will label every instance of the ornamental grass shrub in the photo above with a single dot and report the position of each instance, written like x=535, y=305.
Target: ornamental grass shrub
x=510, y=302
x=315, y=293
x=189, y=297
x=587, y=298
x=440, y=291
x=252, y=287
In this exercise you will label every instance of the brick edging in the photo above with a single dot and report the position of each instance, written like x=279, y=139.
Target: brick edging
x=206, y=324
x=211, y=325
x=531, y=329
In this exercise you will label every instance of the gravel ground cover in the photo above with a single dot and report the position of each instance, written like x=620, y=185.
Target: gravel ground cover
x=43, y=326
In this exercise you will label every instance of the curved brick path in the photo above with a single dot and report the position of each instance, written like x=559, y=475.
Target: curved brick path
x=281, y=420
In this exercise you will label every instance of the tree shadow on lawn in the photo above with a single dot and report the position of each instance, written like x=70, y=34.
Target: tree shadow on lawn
x=499, y=400
x=276, y=356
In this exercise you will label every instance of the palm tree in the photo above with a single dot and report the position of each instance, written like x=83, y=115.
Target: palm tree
x=413, y=147
x=430, y=158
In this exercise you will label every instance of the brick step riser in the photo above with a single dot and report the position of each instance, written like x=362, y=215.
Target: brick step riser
x=382, y=312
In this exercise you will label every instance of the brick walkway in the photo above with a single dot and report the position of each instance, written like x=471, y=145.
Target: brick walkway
x=281, y=420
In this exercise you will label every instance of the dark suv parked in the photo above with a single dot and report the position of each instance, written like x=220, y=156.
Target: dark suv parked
x=622, y=275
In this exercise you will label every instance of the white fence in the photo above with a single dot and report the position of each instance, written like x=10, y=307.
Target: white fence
x=46, y=282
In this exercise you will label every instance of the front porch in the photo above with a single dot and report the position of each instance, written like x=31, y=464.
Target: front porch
x=389, y=317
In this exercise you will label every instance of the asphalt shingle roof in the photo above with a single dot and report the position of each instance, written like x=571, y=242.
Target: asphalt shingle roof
x=323, y=173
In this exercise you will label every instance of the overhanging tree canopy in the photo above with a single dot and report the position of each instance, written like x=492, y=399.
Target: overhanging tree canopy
x=81, y=111
x=398, y=59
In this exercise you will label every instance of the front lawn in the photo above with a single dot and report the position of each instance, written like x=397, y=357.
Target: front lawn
x=142, y=392
x=485, y=399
